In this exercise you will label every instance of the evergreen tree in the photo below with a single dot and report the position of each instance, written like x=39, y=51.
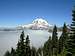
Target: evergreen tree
x=71, y=40
x=64, y=35
x=28, y=50
x=60, y=44
x=63, y=38
x=54, y=41
x=20, y=51
x=13, y=52
x=7, y=53
x=23, y=47
x=40, y=51
x=47, y=48
x=33, y=51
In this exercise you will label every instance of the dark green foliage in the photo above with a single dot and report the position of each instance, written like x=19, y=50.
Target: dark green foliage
x=7, y=53
x=64, y=35
x=71, y=40
x=33, y=51
x=60, y=44
x=54, y=41
x=63, y=38
x=47, y=48
x=28, y=50
x=13, y=52
x=20, y=51
x=23, y=46
x=40, y=51
x=54, y=38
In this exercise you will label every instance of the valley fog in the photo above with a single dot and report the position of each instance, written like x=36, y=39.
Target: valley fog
x=9, y=39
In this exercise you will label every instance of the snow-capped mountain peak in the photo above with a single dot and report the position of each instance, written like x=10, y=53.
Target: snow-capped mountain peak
x=38, y=23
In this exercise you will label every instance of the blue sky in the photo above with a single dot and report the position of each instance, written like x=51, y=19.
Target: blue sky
x=15, y=12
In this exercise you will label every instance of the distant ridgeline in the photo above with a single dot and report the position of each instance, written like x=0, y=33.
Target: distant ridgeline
x=38, y=24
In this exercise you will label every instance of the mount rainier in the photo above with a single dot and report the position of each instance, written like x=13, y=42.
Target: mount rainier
x=37, y=24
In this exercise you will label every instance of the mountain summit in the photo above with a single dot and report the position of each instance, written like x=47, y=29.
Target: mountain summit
x=37, y=24
x=40, y=21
